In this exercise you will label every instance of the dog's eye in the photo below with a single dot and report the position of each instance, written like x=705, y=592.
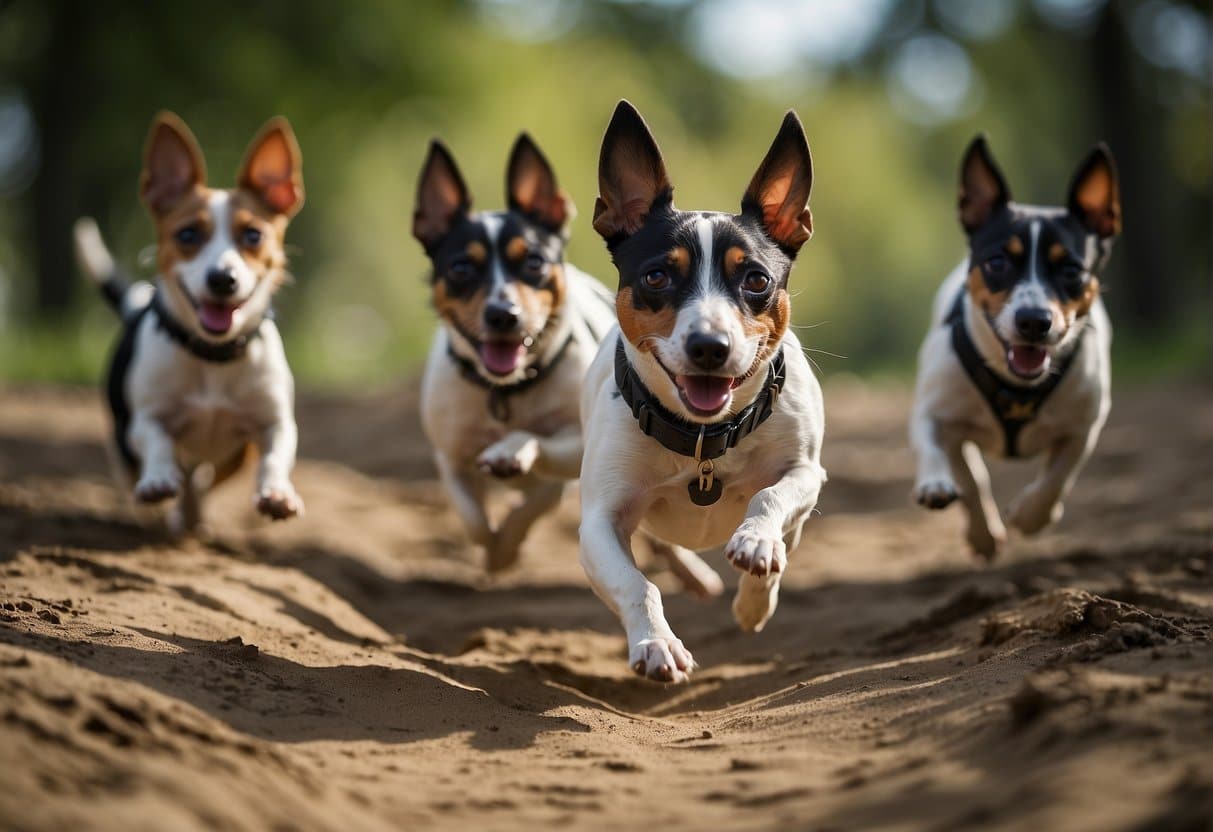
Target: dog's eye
x=461, y=269
x=535, y=264
x=250, y=237
x=656, y=280
x=756, y=282
x=190, y=235
x=997, y=265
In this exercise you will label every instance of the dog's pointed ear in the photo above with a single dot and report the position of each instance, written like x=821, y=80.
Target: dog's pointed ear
x=983, y=190
x=441, y=196
x=273, y=168
x=172, y=164
x=779, y=192
x=631, y=175
x=531, y=189
x=1095, y=193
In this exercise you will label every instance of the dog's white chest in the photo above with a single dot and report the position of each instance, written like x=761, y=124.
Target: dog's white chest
x=672, y=516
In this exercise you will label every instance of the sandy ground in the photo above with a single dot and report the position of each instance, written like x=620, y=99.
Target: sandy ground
x=356, y=670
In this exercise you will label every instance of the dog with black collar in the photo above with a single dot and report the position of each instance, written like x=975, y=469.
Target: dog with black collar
x=520, y=325
x=703, y=421
x=199, y=375
x=1017, y=362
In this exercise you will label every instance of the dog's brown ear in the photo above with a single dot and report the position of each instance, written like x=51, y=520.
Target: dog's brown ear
x=631, y=175
x=441, y=196
x=779, y=192
x=983, y=190
x=1095, y=193
x=273, y=167
x=531, y=189
x=172, y=164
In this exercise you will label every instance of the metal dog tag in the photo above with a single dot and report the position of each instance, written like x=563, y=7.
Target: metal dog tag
x=705, y=489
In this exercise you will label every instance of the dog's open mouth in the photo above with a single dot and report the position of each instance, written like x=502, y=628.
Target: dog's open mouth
x=216, y=318
x=706, y=395
x=502, y=357
x=1028, y=360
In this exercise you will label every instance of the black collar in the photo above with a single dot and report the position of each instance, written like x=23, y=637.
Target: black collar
x=1014, y=405
x=219, y=353
x=700, y=442
x=499, y=394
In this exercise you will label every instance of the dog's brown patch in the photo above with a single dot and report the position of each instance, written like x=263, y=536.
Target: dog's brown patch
x=679, y=258
x=733, y=258
x=191, y=209
x=465, y=314
x=540, y=303
x=1014, y=246
x=1076, y=307
x=516, y=249
x=1057, y=253
x=267, y=258
x=640, y=326
x=989, y=302
x=477, y=252
x=770, y=324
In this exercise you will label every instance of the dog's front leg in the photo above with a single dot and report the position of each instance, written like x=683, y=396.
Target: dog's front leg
x=653, y=649
x=276, y=497
x=1041, y=503
x=986, y=533
x=519, y=453
x=934, y=486
x=160, y=476
x=538, y=500
x=758, y=548
x=466, y=490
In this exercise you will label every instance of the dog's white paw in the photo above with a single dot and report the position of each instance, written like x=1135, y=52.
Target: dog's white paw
x=755, y=602
x=158, y=485
x=511, y=456
x=278, y=502
x=756, y=550
x=1032, y=512
x=661, y=659
x=935, y=494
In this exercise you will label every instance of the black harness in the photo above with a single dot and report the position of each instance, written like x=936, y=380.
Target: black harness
x=499, y=394
x=1014, y=406
x=702, y=443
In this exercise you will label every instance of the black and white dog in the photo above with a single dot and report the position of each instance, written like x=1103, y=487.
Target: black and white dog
x=1016, y=363
x=703, y=421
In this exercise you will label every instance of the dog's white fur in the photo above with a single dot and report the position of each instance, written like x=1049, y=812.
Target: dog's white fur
x=630, y=483
x=538, y=448
x=951, y=423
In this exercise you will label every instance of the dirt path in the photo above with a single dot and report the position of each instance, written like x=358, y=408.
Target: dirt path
x=355, y=670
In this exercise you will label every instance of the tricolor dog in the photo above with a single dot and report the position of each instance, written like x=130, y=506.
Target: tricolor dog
x=703, y=421
x=499, y=399
x=200, y=374
x=1016, y=363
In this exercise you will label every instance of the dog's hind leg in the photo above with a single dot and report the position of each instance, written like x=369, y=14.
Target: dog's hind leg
x=986, y=533
x=538, y=501
x=1041, y=503
x=696, y=576
x=466, y=490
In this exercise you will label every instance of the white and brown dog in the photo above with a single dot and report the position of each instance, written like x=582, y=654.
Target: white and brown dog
x=1017, y=362
x=499, y=399
x=703, y=420
x=199, y=374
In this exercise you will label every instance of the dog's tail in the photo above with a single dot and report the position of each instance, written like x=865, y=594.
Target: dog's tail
x=97, y=262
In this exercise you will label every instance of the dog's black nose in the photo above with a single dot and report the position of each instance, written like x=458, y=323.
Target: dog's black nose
x=1033, y=322
x=501, y=317
x=708, y=350
x=221, y=282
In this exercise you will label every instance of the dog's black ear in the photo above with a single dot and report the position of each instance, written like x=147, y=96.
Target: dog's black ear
x=441, y=196
x=273, y=168
x=1095, y=193
x=631, y=175
x=531, y=189
x=983, y=190
x=172, y=164
x=779, y=192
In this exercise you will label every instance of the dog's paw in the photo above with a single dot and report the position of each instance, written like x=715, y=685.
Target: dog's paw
x=661, y=659
x=157, y=486
x=755, y=602
x=936, y=494
x=986, y=544
x=1031, y=512
x=756, y=550
x=511, y=456
x=278, y=502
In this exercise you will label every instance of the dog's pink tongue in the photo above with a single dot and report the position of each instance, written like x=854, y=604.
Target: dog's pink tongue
x=215, y=317
x=706, y=393
x=1028, y=360
x=502, y=357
